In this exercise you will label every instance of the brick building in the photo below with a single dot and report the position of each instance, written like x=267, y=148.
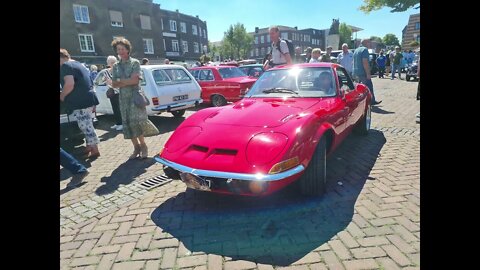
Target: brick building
x=411, y=32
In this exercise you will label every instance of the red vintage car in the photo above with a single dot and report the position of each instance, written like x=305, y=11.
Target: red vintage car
x=281, y=132
x=222, y=83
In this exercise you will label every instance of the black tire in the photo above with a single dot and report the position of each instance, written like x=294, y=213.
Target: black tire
x=363, y=125
x=178, y=114
x=407, y=78
x=171, y=173
x=218, y=100
x=314, y=180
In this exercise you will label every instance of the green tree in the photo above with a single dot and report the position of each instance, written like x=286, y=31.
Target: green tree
x=214, y=50
x=237, y=41
x=395, y=5
x=414, y=44
x=390, y=39
x=345, y=33
x=377, y=39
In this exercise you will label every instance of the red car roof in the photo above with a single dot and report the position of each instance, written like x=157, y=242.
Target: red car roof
x=215, y=67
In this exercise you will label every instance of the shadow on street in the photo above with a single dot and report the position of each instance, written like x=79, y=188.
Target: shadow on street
x=124, y=175
x=376, y=109
x=279, y=229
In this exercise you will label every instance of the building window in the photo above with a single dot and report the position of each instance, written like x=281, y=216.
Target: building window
x=284, y=35
x=256, y=52
x=161, y=22
x=175, y=47
x=204, y=33
x=164, y=45
x=418, y=38
x=200, y=31
x=262, y=51
x=256, y=40
x=183, y=27
x=86, y=43
x=417, y=25
x=185, y=46
x=251, y=53
x=262, y=39
x=145, y=22
x=268, y=38
x=116, y=19
x=81, y=14
x=194, y=29
x=195, y=47
x=173, y=25
x=148, y=46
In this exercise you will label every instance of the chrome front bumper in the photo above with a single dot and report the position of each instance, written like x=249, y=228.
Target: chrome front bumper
x=230, y=175
x=179, y=105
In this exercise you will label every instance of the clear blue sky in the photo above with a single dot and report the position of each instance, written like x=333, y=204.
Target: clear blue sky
x=220, y=14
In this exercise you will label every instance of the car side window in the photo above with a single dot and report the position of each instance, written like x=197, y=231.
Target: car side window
x=194, y=73
x=344, y=79
x=160, y=76
x=143, y=82
x=205, y=75
x=178, y=75
x=100, y=80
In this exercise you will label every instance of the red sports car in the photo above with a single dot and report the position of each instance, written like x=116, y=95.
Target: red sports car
x=222, y=83
x=281, y=132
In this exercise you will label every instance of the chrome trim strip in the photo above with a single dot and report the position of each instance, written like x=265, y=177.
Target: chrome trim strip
x=176, y=105
x=227, y=175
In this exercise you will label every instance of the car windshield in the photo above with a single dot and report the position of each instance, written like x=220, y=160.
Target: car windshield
x=231, y=72
x=295, y=82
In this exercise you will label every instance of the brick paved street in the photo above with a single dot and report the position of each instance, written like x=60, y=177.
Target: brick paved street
x=370, y=221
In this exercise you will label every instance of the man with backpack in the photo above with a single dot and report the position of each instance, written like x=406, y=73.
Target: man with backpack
x=280, y=48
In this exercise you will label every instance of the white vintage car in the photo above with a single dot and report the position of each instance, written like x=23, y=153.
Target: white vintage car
x=169, y=88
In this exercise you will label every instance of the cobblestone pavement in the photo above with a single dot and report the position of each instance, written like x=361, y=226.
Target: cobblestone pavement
x=368, y=219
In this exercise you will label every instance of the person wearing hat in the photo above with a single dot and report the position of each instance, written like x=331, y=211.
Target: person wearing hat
x=308, y=51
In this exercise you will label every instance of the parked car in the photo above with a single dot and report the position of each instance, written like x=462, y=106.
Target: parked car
x=221, y=84
x=169, y=88
x=280, y=133
x=254, y=70
x=412, y=71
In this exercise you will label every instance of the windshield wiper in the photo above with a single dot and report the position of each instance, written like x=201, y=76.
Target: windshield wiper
x=279, y=90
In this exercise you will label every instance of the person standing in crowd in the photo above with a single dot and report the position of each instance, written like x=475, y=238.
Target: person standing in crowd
x=381, y=60
x=166, y=62
x=417, y=116
x=78, y=95
x=316, y=55
x=126, y=76
x=345, y=58
x=72, y=165
x=308, y=56
x=387, y=63
x=93, y=72
x=298, y=56
x=361, y=68
x=326, y=57
x=115, y=93
x=279, y=48
x=397, y=58
x=145, y=61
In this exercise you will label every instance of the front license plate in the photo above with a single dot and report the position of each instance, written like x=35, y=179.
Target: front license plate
x=195, y=182
x=182, y=97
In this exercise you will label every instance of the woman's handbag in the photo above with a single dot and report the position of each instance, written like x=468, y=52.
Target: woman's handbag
x=139, y=98
x=110, y=93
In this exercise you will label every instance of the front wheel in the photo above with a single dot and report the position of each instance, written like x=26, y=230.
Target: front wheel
x=178, y=114
x=363, y=126
x=218, y=100
x=314, y=179
x=171, y=173
x=408, y=78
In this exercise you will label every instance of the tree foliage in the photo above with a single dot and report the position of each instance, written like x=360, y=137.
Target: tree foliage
x=390, y=39
x=345, y=33
x=395, y=5
x=236, y=42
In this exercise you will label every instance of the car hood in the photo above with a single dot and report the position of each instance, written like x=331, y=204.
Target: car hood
x=260, y=112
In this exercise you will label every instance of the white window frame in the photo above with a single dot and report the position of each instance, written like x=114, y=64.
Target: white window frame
x=81, y=9
x=268, y=39
x=194, y=30
x=164, y=45
x=80, y=36
x=256, y=39
x=175, y=42
x=262, y=39
x=173, y=25
x=204, y=33
x=147, y=18
x=251, y=53
x=284, y=35
x=415, y=27
x=116, y=23
x=183, y=27
x=256, y=52
x=195, y=47
x=148, y=41
x=185, y=46
x=199, y=30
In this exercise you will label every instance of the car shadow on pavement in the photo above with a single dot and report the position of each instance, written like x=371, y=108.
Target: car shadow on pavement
x=376, y=109
x=124, y=175
x=278, y=229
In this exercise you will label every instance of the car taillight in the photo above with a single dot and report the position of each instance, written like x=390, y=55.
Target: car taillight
x=155, y=101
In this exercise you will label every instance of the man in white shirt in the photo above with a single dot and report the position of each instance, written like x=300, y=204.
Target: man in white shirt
x=279, y=48
x=345, y=58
